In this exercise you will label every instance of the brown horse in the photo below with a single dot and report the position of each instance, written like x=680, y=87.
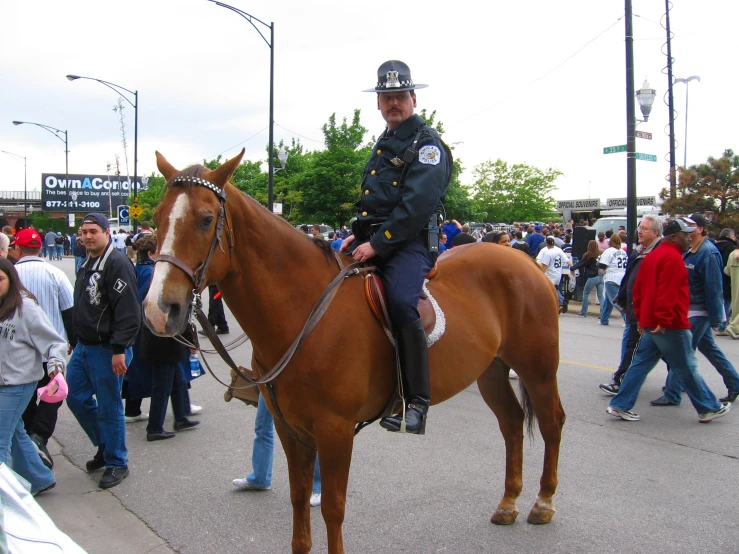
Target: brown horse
x=271, y=276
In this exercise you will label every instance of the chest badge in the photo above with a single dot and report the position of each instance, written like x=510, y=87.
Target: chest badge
x=397, y=162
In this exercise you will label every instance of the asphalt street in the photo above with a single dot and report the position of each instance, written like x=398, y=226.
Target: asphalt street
x=665, y=483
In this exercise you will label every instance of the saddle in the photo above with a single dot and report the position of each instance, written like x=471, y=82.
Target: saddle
x=374, y=292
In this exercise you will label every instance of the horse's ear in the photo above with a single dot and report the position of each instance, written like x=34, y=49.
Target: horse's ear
x=221, y=175
x=165, y=168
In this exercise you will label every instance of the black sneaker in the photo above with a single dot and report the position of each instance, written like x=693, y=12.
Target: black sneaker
x=113, y=476
x=731, y=397
x=222, y=331
x=163, y=435
x=609, y=388
x=96, y=464
x=45, y=489
x=185, y=424
x=43, y=453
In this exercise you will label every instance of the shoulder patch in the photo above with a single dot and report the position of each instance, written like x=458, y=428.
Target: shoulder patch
x=119, y=286
x=429, y=154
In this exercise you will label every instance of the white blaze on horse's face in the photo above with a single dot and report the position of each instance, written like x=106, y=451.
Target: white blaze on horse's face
x=156, y=316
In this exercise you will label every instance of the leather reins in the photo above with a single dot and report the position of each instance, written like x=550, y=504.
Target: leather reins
x=198, y=277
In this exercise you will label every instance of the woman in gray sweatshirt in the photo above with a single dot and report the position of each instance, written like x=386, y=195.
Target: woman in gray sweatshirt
x=26, y=335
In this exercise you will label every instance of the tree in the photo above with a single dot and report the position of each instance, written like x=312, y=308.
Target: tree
x=330, y=184
x=711, y=188
x=513, y=193
x=150, y=198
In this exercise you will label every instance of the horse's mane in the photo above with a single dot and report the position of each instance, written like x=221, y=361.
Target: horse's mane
x=324, y=246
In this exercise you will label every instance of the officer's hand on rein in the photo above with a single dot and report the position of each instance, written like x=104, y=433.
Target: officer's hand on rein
x=364, y=252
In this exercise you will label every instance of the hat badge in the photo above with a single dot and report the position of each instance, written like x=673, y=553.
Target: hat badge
x=392, y=80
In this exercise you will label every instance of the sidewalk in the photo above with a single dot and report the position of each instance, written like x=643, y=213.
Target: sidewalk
x=93, y=517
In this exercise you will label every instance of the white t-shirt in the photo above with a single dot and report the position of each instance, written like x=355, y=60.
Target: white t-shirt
x=615, y=259
x=554, y=259
x=120, y=240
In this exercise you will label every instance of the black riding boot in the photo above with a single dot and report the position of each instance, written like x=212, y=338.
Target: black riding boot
x=414, y=365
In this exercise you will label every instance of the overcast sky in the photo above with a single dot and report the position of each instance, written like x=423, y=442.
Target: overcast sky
x=506, y=79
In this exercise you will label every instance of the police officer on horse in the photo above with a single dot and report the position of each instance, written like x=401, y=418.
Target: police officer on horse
x=396, y=227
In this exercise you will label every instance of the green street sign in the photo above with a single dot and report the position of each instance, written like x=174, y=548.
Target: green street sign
x=614, y=149
x=646, y=157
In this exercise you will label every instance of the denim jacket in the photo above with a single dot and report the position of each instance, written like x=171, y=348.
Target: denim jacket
x=706, y=282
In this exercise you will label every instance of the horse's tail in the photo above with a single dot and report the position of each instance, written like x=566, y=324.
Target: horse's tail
x=528, y=410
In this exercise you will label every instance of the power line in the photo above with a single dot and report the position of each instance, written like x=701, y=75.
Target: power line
x=298, y=134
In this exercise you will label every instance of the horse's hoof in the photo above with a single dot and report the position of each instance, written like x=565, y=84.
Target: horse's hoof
x=504, y=517
x=539, y=516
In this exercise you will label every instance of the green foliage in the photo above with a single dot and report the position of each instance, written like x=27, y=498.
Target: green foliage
x=150, y=198
x=711, y=188
x=330, y=184
x=512, y=193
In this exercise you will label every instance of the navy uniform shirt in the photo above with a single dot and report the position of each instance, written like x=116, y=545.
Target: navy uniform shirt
x=426, y=180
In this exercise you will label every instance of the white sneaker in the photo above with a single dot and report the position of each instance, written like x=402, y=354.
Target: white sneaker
x=245, y=485
x=143, y=416
x=710, y=416
x=195, y=409
x=512, y=375
x=627, y=415
x=315, y=499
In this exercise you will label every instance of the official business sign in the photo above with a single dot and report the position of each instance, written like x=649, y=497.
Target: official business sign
x=584, y=204
x=84, y=193
x=123, y=218
x=640, y=201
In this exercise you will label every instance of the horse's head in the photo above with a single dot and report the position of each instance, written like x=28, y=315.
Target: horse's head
x=192, y=248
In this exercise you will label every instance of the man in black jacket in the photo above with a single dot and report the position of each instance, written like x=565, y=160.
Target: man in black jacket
x=107, y=317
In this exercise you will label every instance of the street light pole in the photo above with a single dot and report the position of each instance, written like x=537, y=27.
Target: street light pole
x=630, y=128
x=56, y=132
x=117, y=89
x=271, y=44
x=25, y=186
x=687, y=87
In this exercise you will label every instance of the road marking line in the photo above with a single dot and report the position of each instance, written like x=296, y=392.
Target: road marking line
x=588, y=365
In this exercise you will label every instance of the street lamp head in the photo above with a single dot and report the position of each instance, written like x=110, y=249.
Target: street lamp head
x=17, y=123
x=646, y=97
x=72, y=77
x=282, y=156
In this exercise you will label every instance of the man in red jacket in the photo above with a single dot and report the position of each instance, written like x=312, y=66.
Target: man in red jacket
x=661, y=300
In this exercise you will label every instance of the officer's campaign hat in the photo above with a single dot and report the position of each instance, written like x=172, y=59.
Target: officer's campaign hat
x=394, y=75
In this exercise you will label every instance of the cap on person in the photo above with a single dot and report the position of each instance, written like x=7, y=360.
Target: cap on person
x=27, y=238
x=97, y=219
x=537, y=228
x=679, y=225
x=394, y=75
x=550, y=240
x=699, y=219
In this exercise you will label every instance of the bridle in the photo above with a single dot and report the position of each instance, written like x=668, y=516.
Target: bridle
x=198, y=275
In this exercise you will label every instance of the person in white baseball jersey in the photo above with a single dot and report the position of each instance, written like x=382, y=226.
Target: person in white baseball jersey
x=55, y=296
x=550, y=260
x=613, y=265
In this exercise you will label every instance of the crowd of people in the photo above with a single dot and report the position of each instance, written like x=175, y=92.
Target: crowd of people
x=45, y=318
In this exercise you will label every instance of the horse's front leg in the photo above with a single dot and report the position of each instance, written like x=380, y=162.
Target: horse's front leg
x=335, y=440
x=300, y=464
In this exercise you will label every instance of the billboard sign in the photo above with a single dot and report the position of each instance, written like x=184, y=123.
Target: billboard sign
x=582, y=204
x=85, y=192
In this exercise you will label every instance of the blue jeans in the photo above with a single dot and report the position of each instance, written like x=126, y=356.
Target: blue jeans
x=264, y=450
x=703, y=340
x=43, y=251
x=727, y=311
x=676, y=346
x=167, y=382
x=78, y=261
x=606, y=307
x=90, y=372
x=592, y=283
x=59, y=251
x=16, y=448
